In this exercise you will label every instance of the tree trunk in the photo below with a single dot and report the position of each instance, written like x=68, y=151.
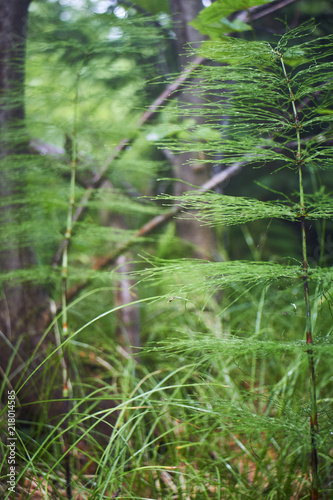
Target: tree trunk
x=20, y=299
x=186, y=167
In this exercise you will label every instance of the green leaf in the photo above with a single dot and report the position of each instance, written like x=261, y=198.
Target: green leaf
x=164, y=130
x=232, y=26
x=222, y=26
x=211, y=21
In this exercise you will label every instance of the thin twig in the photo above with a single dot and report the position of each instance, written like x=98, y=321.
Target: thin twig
x=264, y=10
x=145, y=117
x=153, y=224
x=149, y=227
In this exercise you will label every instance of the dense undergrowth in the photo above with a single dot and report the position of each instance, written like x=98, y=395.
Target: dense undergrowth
x=228, y=395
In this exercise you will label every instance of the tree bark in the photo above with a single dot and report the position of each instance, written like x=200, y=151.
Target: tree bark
x=20, y=299
x=13, y=24
x=186, y=167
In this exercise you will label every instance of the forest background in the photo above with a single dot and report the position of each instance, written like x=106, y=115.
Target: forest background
x=157, y=342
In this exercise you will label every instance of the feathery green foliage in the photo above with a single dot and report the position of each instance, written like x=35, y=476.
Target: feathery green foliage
x=218, y=404
x=268, y=103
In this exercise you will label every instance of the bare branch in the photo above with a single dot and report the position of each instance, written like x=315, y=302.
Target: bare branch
x=146, y=116
x=154, y=223
x=264, y=10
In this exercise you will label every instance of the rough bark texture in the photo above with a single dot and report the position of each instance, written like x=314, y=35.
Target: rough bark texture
x=186, y=168
x=20, y=300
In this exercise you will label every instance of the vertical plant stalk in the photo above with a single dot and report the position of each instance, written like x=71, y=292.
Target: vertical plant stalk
x=314, y=429
x=67, y=386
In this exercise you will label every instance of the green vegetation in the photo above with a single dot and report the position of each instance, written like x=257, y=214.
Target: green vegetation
x=159, y=375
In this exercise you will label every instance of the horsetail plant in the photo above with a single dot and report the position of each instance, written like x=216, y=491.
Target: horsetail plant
x=299, y=160
x=267, y=106
x=67, y=386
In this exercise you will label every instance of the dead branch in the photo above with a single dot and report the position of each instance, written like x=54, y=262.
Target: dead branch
x=153, y=224
x=146, y=116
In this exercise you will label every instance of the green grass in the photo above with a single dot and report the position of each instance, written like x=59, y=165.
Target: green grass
x=190, y=419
